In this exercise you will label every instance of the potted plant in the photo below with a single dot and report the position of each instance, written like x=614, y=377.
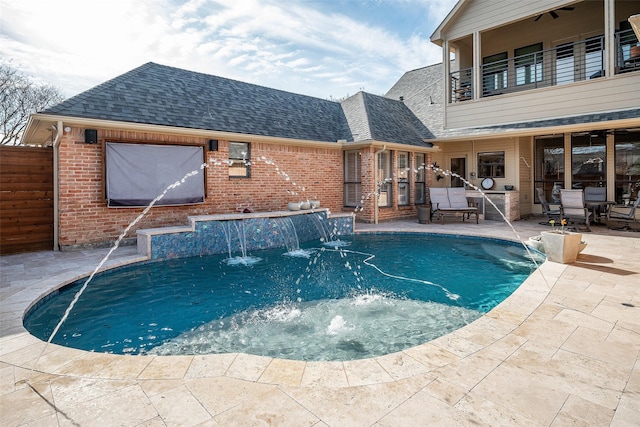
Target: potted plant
x=560, y=245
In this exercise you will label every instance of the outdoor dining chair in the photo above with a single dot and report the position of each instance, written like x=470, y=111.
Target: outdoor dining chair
x=546, y=209
x=626, y=218
x=596, y=194
x=573, y=209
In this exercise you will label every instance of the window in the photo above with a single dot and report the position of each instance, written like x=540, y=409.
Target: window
x=528, y=64
x=627, y=154
x=494, y=72
x=549, y=165
x=420, y=179
x=385, y=190
x=588, y=160
x=564, y=64
x=458, y=171
x=491, y=164
x=239, y=160
x=403, y=178
x=594, y=57
x=136, y=174
x=352, y=184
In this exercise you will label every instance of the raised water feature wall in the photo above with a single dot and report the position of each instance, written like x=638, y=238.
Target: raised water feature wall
x=217, y=234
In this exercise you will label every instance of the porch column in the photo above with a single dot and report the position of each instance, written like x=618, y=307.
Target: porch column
x=446, y=62
x=568, y=173
x=609, y=38
x=477, y=62
x=611, y=166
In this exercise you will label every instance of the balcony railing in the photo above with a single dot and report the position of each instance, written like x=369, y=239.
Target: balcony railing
x=461, y=85
x=566, y=63
x=628, y=52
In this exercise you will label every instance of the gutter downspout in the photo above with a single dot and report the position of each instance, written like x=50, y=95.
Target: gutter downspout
x=56, y=182
x=376, y=188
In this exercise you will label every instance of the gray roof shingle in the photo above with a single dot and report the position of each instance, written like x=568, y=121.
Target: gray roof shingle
x=161, y=95
x=421, y=91
x=382, y=119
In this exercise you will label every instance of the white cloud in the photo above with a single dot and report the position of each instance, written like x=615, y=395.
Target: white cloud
x=293, y=45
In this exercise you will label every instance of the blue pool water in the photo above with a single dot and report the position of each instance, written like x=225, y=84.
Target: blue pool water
x=374, y=295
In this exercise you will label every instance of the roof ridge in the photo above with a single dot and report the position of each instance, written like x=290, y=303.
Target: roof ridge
x=70, y=102
x=240, y=82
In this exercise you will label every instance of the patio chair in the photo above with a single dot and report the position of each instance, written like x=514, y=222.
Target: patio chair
x=546, y=209
x=573, y=209
x=596, y=194
x=626, y=218
x=451, y=200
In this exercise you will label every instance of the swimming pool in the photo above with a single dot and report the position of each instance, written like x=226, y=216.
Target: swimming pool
x=376, y=295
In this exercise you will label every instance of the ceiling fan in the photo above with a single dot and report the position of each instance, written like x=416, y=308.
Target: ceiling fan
x=554, y=13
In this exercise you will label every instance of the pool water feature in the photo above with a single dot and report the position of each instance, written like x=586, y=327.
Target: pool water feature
x=381, y=293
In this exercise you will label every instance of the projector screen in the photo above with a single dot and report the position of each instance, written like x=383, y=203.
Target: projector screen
x=138, y=173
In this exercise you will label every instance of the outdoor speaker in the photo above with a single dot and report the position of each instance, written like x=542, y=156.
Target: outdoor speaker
x=90, y=136
x=213, y=145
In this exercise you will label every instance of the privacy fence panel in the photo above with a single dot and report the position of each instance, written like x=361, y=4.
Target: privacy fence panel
x=26, y=199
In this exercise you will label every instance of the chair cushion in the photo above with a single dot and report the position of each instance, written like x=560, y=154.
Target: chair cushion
x=458, y=198
x=439, y=199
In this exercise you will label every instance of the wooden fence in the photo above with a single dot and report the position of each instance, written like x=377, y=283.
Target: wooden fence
x=26, y=199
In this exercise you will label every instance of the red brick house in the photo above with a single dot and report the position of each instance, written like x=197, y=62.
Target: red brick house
x=530, y=96
x=263, y=148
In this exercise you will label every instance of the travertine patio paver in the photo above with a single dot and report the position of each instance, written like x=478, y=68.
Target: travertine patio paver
x=562, y=350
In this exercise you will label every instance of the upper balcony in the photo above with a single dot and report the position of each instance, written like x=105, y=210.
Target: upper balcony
x=536, y=67
x=508, y=63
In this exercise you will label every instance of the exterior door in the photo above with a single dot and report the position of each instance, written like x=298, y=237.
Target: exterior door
x=458, y=167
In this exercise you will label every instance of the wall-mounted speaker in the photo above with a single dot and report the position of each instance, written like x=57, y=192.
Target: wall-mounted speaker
x=213, y=145
x=90, y=136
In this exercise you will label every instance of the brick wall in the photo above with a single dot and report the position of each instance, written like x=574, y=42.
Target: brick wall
x=387, y=213
x=279, y=174
x=287, y=174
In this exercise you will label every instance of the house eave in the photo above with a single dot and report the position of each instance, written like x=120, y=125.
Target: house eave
x=436, y=37
x=41, y=121
x=536, y=131
x=38, y=132
x=389, y=145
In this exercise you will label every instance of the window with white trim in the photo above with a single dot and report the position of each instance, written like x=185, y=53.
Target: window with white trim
x=404, y=187
x=239, y=160
x=352, y=176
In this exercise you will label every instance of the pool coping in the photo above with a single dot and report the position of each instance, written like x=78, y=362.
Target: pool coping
x=505, y=317
x=142, y=259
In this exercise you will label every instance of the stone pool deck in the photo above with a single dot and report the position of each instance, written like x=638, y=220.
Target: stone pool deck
x=562, y=350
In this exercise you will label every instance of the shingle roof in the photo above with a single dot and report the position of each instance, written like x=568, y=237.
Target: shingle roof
x=382, y=119
x=421, y=91
x=161, y=95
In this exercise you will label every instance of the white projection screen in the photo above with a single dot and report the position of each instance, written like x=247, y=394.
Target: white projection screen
x=138, y=173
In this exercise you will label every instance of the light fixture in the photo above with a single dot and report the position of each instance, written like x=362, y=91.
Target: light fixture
x=67, y=129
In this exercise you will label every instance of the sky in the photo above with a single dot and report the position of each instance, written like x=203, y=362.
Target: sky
x=329, y=49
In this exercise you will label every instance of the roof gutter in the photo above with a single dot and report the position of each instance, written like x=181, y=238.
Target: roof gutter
x=212, y=134
x=578, y=127
x=391, y=146
x=153, y=128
